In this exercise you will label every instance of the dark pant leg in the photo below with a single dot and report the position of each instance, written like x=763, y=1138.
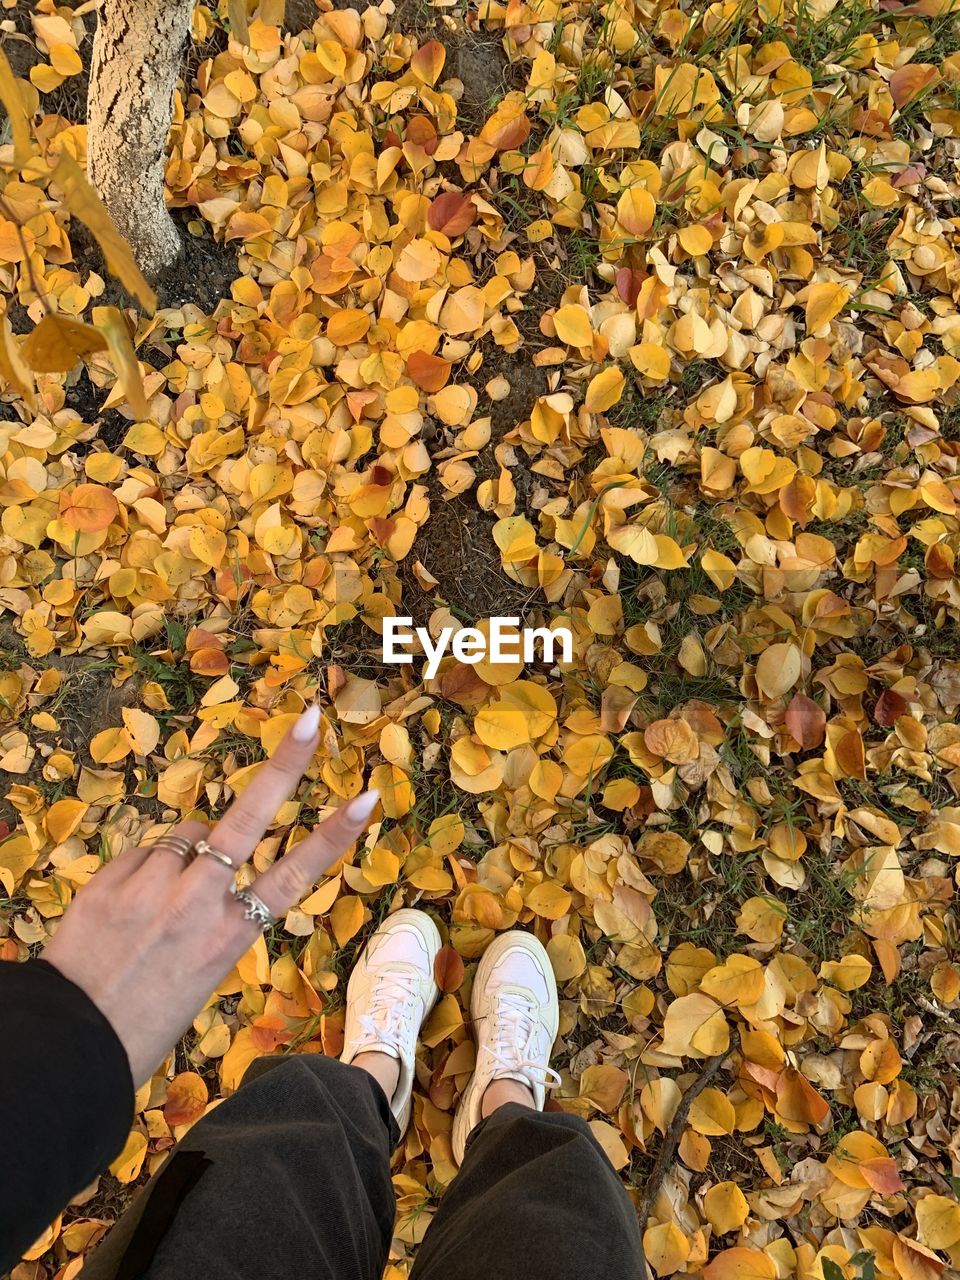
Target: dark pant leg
x=288, y=1179
x=536, y=1199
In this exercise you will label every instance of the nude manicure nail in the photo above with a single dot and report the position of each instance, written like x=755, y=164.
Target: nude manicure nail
x=358, y=811
x=305, y=729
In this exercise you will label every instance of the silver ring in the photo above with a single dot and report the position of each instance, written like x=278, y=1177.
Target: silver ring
x=202, y=846
x=255, y=908
x=182, y=846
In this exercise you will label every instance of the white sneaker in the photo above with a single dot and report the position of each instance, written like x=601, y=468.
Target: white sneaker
x=515, y=1014
x=389, y=995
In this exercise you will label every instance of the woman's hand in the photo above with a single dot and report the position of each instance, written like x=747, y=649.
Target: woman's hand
x=152, y=935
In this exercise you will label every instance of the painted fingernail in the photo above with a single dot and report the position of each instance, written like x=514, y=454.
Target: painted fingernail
x=358, y=811
x=305, y=729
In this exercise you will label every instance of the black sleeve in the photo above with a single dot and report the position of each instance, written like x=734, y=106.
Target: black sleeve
x=66, y=1099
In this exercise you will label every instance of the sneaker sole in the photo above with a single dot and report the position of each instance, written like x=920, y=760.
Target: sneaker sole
x=516, y=937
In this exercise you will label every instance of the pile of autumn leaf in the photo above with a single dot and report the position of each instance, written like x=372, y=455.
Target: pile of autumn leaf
x=759, y=579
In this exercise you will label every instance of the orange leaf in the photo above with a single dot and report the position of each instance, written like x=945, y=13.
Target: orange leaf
x=89, y=508
x=427, y=63
x=186, y=1098
x=806, y=721
x=420, y=132
x=508, y=127
x=741, y=1264
x=636, y=210
x=452, y=213
x=448, y=969
x=881, y=1175
x=798, y=1101
x=850, y=756
x=908, y=82
x=430, y=373
x=209, y=662
x=347, y=326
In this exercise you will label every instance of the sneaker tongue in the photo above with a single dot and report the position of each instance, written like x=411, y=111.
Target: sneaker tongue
x=380, y=1038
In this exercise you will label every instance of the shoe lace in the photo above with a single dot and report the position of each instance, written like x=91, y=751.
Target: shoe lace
x=514, y=1042
x=389, y=1015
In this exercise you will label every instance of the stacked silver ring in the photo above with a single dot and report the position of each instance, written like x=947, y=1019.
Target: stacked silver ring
x=254, y=907
x=182, y=846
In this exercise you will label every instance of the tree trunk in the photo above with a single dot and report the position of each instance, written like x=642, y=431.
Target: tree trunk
x=136, y=60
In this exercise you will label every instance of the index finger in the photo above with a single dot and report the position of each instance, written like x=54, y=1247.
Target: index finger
x=242, y=827
x=284, y=883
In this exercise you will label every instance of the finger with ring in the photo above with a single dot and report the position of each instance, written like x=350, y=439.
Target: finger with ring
x=255, y=908
x=173, y=852
x=182, y=846
x=207, y=850
x=245, y=822
x=284, y=883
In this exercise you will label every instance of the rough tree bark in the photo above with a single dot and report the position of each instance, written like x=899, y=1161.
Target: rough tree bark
x=136, y=60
